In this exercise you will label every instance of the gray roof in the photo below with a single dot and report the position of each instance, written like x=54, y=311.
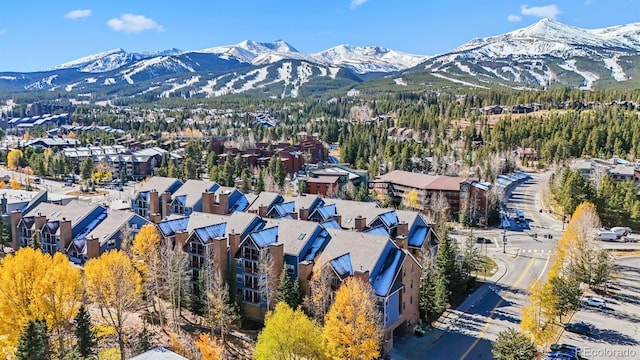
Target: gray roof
x=301, y=201
x=199, y=220
x=623, y=170
x=364, y=249
x=159, y=353
x=238, y=221
x=74, y=211
x=159, y=183
x=290, y=233
x=408, y=216
x=263, y=199
x=193, y=189
x=348, y=209
x=110, y=225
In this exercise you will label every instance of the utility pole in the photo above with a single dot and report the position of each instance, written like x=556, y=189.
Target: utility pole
x=504, y=241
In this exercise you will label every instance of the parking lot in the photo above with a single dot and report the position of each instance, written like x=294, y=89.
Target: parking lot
x=616, y=327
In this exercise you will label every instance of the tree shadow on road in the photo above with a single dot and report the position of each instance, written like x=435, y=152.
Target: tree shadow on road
x=614, y=337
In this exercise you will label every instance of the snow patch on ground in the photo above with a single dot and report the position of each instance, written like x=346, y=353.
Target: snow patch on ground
x=91, y=80
x=7, y=77
x=464, y=68
x=260, y=76
x=176, y=87
x=70, y=87
x=400, y=81
x=616, y=69
x=333, y=72
x=589, y=78
x=109, y=81
x=458, y=81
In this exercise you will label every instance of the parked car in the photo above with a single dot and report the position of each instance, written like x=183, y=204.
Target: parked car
x=567, y=349
x=554, y=355
x=37, y=180
x=607, y=235
x=594, y=301
x=579, y=328
x=483, y=240
x=68, y=182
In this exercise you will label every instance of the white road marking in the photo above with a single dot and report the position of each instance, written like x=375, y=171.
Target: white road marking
x=545, y=267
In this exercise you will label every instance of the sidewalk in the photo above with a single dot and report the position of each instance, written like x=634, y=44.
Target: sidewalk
x=412, y=347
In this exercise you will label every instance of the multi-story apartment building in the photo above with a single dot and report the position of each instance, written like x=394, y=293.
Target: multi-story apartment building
x=154, y=197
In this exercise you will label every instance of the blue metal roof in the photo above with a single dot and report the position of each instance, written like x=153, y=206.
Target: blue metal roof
x=390, y=218
x=383, y=281
x=317, y=202
x=237, y=201
x=182, y=199
x=327, y=211
x=318, y=240
x=331, y=224
x=98, y=216
x=285, y=208
x=211, y=232
x=265, y=237
x=380, y=230
x=417, y=236
x=342, y=265
x=170, y=227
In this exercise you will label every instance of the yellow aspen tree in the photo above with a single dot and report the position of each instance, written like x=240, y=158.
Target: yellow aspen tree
x=15, y=184
x=20, y=282
x=61, y=296
x=13, y=159
x=288, y=334
x=210, y=348
x=115, y=286
x=146, y=260
x=353, y=327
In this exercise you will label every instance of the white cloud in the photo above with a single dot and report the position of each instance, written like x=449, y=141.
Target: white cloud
x=356, y=3
x=514, y=18
x=547, y=11
x=133, y=23
x=78, y=14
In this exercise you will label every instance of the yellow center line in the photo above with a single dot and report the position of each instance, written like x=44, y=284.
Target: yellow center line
x=506, y=296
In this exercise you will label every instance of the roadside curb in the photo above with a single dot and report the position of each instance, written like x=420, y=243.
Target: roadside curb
x=484, y=290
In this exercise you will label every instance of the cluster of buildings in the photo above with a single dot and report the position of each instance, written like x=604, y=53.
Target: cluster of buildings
x=23, y=124
x=222, y=228
x=618, y=169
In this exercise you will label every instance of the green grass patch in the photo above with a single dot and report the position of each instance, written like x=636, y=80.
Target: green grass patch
x=486, y=264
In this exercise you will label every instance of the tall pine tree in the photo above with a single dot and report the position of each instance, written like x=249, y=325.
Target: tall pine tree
x=85, y=334
x=34, y=341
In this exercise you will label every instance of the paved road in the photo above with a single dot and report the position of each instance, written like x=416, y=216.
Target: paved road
x=468, y=331
x=617, y=335
x=57, y=187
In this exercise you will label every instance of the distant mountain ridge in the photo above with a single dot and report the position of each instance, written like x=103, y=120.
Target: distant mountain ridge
x=543, y=55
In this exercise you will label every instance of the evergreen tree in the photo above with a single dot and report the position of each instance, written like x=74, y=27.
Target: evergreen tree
x=85, y=334
x=34, y=342
x=288, y=290
x=259, y=184
x=448, y=267
x=198, y=298
x=144, y=342
x=513, y=345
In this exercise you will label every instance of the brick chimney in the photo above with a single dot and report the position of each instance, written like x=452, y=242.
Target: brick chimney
x=401, y=241
x=155, y=218
x=304, y=213
x=153, y=202
x=39, y=221
x=338, y=219
x=305, y=269
x=93, y=248
x=166, y=200
x=360, y=223
x=14, y=219
x=208, y=202
x=234, y=243
x=219, y=253
x=294, y=215
x=402, y=229
x=65, y=234
x=263, y=210
x=223, y=203
x=181, y=239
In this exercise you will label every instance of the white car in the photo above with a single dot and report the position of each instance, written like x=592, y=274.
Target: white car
x=594, y=301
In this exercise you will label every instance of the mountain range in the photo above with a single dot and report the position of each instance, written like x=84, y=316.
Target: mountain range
x=546, y=54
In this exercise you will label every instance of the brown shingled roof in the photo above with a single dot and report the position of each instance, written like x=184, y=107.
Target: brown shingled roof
x=422, y=181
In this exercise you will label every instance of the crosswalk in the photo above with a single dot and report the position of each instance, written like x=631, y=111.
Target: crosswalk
x=536, y=251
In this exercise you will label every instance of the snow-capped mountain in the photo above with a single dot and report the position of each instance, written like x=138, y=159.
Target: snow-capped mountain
x=365, y=59
x=110, y=60
x=246, y=51
x=544, y=54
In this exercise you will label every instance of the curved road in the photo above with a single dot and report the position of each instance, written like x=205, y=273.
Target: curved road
x=468, y=331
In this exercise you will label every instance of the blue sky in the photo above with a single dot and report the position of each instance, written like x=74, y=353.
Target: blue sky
x=39, y=34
